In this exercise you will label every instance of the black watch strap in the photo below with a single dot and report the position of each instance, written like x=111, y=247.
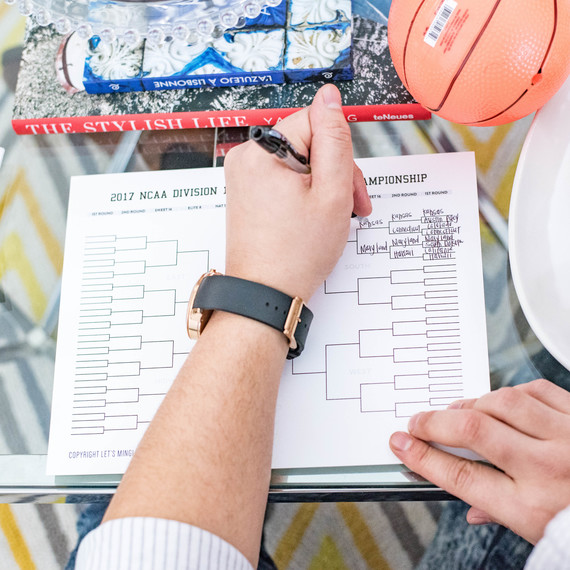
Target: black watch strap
x=259, y=302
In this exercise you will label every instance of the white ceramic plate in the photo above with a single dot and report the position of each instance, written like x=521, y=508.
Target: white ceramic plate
x=539, y=226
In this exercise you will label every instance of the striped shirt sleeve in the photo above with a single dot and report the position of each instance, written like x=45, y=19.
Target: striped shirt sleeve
x=553, y=550
x=146, y=543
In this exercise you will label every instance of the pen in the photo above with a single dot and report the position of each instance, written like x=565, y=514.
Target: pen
x=276, y=143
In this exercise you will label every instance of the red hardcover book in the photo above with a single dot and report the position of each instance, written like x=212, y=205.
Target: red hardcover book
x=43, y=106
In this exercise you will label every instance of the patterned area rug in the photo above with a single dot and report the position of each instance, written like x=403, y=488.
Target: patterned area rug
x=32, y=206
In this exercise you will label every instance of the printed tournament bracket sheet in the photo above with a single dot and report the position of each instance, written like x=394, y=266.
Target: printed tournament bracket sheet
x=399, y=325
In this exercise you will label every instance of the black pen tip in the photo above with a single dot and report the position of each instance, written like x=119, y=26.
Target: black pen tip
x=256, y=133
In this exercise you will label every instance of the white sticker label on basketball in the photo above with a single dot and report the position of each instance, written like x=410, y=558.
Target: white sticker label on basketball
x=439, y=22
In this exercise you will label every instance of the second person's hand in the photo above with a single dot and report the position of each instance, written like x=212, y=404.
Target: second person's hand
x=524, y=431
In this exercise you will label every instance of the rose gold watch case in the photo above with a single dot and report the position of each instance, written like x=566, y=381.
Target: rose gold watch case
x=196, y=318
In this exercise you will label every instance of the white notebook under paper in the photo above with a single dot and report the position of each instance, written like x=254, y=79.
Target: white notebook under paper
x=399, y=325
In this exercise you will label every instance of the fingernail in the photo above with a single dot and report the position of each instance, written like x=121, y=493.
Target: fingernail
x=400, y=441
x=413, y=421
x=476, y=521
x=331, y=97
x=455, y=405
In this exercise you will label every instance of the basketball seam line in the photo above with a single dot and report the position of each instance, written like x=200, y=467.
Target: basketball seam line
x=407, y=40
x=466, y=58
x=555, y=27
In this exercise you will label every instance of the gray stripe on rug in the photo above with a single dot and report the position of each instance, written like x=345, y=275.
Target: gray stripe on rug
x=59, y=175
x=84, y=152
x=57, y=538
x=9, y=425
x=35, y=395
x=404, y=530
x=434, y=508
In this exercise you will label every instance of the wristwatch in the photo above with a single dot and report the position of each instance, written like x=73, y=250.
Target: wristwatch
x=217, y=292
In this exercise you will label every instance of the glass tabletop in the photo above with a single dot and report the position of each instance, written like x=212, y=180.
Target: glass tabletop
x=34, y=183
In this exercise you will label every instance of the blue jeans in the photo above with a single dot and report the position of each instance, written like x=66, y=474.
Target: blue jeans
x=460, y=546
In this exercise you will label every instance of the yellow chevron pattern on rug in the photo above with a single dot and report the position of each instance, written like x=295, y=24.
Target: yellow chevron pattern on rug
x=497, y=150
x=328, y=557
x=20, y=186
x=356, y=536
x=362, y=536
x=294, y=534
x=18, y=547
x=36, y=536
x=12, y=27
x=13, y=259
x=26, y=234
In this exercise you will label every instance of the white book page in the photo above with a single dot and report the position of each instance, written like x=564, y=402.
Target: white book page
x=399, y=325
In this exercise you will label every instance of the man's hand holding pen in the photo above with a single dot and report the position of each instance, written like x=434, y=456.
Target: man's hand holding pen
x=288, y=200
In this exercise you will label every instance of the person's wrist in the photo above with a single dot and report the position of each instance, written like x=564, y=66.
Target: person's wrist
x=291, y=284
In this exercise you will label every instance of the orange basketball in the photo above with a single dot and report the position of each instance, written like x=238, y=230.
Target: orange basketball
x=481, y=62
